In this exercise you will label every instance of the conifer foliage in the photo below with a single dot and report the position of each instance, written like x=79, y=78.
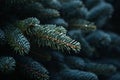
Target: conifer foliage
x=57, y=40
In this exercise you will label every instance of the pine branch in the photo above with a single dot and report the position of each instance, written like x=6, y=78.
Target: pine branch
x=100, y=13
x=26, y=24
x=32, y=69
x=99, y=38
x=77, y=75
x=54, y=4
x=50, y=35
x=82, y=25
x=100, y=69
x=48, y=13
x=58, y=22
x=102, y=9
x=75, y=62
x=71, y=8
x=72, y=5
x=17, y=40
x=55, y=39
x=7, y=64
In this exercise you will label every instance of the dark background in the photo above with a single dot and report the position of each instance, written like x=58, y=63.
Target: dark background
x=115, y=20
